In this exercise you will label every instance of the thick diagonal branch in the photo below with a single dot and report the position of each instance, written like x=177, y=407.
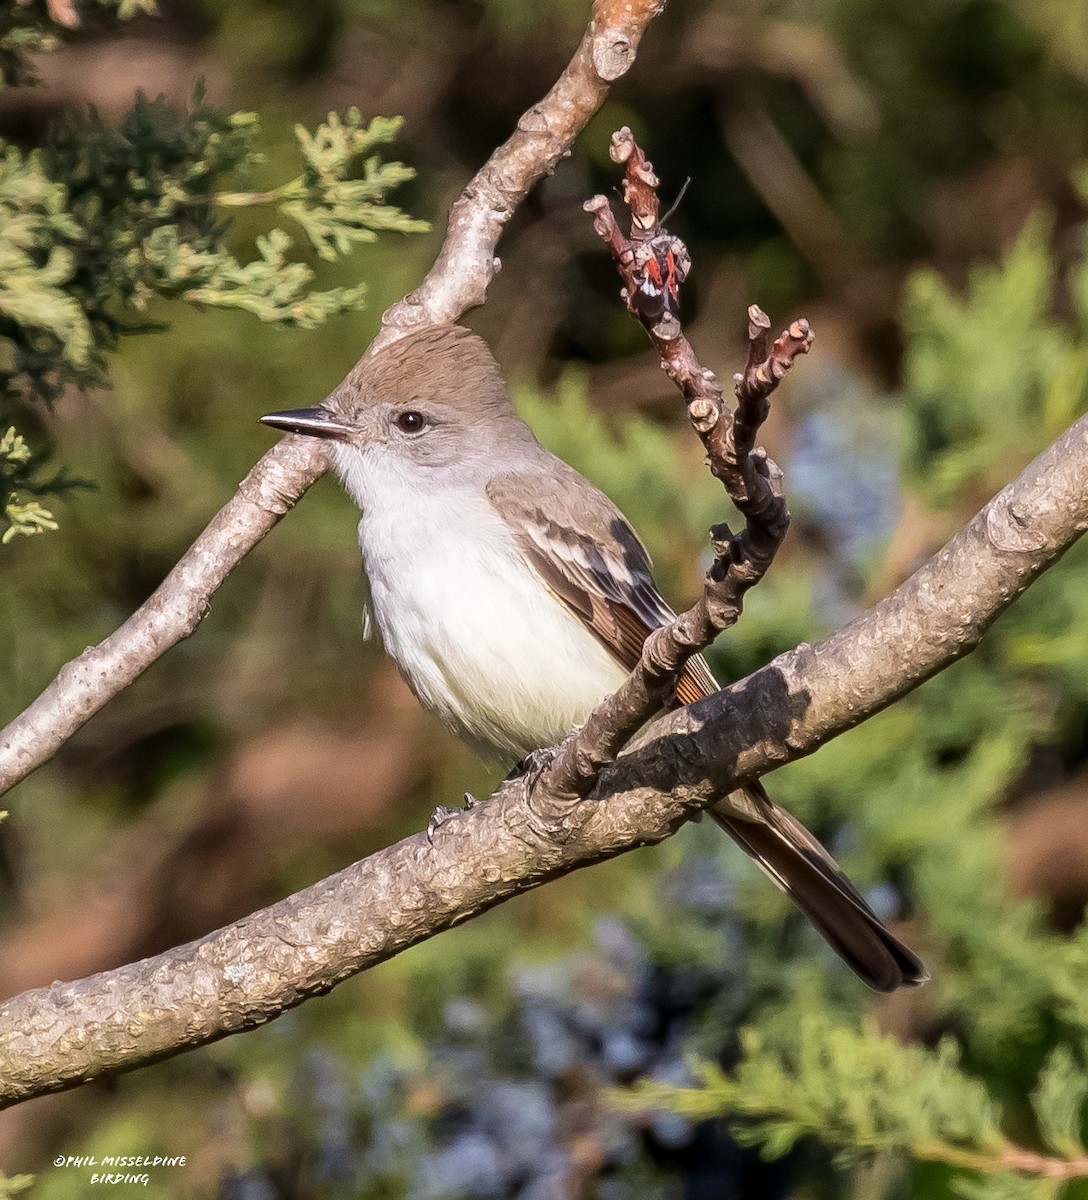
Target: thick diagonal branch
x=250, y=972
x=458, y=281
x=653, y=264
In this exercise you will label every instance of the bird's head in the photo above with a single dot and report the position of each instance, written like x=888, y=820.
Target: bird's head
x=432, y=399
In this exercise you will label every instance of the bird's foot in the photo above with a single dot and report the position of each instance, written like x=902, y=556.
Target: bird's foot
x=443, y=813
x=531, y=767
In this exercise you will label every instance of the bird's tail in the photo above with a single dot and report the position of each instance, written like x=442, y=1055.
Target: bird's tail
x=805, y=871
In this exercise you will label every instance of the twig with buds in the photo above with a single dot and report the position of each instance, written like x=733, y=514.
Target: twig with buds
x=653, y=263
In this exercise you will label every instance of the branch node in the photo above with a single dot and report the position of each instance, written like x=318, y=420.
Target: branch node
x=758, y=321
x=533, y=120
x=621, y=145
x=439, y=817
x=703, y=413
x=721, y=539
x=667, y=328
x=612, y=54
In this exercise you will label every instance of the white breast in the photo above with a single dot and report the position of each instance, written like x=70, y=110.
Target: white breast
x=478, y=636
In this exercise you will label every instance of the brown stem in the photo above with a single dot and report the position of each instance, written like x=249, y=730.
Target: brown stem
x=1009, y=1157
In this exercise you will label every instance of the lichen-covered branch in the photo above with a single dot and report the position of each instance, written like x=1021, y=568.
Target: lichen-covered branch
x=250, y=972
x=457, y=281
x=653, y=264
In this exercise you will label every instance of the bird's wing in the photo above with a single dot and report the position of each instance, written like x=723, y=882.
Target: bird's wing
x=583, y=549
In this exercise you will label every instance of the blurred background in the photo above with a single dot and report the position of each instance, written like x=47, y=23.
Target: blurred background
x=910, y=178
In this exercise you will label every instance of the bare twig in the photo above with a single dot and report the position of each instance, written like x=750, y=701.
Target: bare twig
x=457, y=281
x=250, y=972
x=653, y=264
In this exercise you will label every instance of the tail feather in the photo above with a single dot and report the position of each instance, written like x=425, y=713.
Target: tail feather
x=805, y=871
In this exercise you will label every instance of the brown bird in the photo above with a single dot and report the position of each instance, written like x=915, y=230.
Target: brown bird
x=514, y=596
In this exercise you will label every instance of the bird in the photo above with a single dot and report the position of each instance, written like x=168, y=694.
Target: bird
x=514, y=596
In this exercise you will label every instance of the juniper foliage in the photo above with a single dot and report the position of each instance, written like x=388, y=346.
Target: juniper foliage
x=106, y=216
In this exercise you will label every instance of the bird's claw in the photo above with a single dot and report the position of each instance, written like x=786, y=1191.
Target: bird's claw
x=444, y=813
x=439, y=817
x=532, y=766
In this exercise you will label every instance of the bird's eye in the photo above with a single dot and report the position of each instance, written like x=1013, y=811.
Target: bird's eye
x=411, y=421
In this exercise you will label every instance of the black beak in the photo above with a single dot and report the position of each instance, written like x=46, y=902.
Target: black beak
x=316, y=421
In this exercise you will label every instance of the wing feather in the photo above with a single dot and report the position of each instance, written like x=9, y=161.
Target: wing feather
x=585, y=552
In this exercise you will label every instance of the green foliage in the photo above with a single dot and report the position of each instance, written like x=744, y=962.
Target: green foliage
x=862, y=1093
x=1059, y=1102
x=270, y=287
x=858, y=1091
x=992, y=375
x=107, y=217
x=144, y=199
x=37, y=236
x=14, y=1185
x=24, y=517
x=335, y=210
x=1007, y=1187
